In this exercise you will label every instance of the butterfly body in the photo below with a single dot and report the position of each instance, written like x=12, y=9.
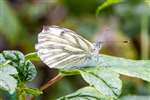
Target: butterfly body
x=64, y=49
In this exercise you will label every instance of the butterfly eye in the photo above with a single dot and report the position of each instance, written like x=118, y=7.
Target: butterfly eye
x=62, y=33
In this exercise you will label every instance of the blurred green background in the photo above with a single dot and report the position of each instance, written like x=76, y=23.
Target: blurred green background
x=22, y=20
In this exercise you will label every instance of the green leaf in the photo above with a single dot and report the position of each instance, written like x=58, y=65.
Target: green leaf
x=32, y=56
x=33, y=91
x=9, y=24
x=86, y=93
x=133, y=68
x=104, y=80
x=36, y=11
x=13, y=55
x=8, y=69
x=5, y=63
x=26, y=70
x=135, y=98
x=2, y=59
x=7, y=81
x=106, y=4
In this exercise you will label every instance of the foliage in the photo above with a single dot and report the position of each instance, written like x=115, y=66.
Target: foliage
x=8, y=16
x=104, y=80
x=133, y=68
x=135, y=98
x=105, y=77
x=19, y=20
x=26, y=70
x=15, y=72
x=106, y=4
x=7, y=81
x=86, y=93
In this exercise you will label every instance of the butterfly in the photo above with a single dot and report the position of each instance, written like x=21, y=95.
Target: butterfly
x=63, y=48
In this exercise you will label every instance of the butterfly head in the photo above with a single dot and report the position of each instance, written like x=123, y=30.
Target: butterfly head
x=96, y=47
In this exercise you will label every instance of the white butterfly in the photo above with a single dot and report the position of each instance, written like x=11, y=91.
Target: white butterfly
x=64, y=49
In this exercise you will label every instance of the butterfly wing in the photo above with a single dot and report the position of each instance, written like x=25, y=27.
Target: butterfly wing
x=62, y=48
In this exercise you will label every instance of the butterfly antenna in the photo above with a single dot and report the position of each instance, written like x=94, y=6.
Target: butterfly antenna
x=103, y=42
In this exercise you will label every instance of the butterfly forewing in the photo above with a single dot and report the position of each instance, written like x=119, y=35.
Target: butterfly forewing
x=62, y=48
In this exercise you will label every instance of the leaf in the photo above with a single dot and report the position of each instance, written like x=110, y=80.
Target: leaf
x=8, y=69
x=106, y=4
x=9, y=25
x=8, y=82
x=135, y=98
x=86, y=93
x=105, y=81
x=35, y=11
x=32, y=56
x=133, y=68
x=26, y=70
x=15, y=56
x=5, y=63
x=2, y=59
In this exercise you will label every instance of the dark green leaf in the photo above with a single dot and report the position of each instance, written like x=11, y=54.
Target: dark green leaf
x=15, y=56
x=30, y=71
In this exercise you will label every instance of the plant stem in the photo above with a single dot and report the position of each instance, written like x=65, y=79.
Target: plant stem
x=52, y=81
x=49, y=83
x=21, y=95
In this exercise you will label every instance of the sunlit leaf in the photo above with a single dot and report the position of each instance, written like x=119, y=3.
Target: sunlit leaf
x=7, y=81
x=8, y=69
x=26, y=70
x=133, y=68
x=104, y=80
x=87, y=93
x=135, y=98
